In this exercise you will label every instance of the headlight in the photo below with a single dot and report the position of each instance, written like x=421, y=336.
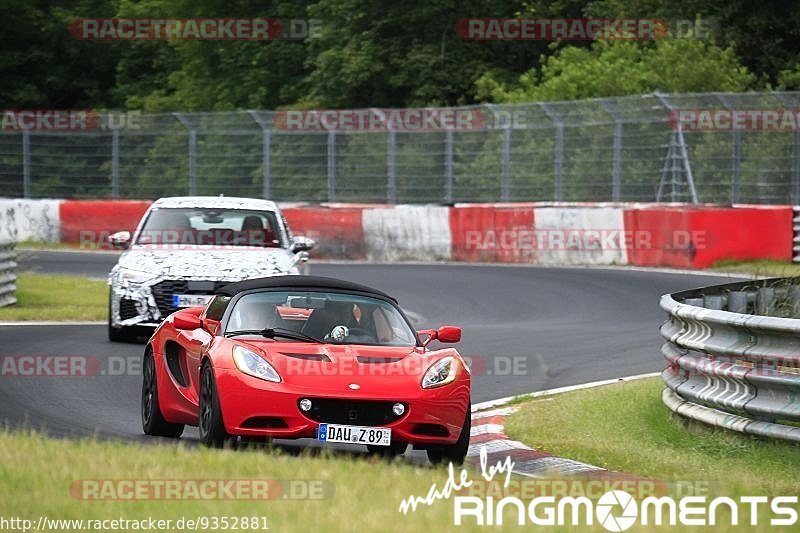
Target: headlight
x=134, y=276
x=440, y=373
x=254, y=365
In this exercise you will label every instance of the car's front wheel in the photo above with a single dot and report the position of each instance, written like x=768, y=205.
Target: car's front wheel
x=453, y=453
x=211, y=427
x=153, y=423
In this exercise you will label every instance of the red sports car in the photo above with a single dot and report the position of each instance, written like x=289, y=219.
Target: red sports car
x=300, y=356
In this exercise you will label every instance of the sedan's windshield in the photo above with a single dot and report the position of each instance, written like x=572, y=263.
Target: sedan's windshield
x=337, y=318
x=211, y=227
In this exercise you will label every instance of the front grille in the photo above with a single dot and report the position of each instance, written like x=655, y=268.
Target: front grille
x=354, y=412
x=127, y=309
x=264, y=422
x=163, y=291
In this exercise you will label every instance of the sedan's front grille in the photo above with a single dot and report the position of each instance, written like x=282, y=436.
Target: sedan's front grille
x=354, y=412
x=163, y=291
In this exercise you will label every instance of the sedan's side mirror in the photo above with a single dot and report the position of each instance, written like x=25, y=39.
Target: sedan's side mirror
x=302, y=244
x=120, y=240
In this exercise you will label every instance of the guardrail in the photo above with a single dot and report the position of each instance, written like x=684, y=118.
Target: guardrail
x=733, y=356
x=8, y=276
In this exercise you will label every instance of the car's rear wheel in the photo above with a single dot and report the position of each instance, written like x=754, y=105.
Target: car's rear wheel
x=153, y=423
x=453, y=453
x=211, y=427
x=388, y=452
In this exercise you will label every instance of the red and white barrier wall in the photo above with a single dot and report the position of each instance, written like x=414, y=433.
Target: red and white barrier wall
x=679, y=236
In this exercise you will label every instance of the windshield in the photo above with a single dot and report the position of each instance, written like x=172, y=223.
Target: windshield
x=337, y=318
x=211, y=227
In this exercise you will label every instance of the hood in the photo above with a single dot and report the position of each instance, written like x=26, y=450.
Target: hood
x=319, y=368
x=215, y=264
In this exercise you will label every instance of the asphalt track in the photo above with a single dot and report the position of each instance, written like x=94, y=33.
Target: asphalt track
x=531, y=328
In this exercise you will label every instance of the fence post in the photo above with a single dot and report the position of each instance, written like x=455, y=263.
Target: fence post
x=192, y=153
x=795, y=186
x=558, y=152
x=680, y=145
x=736, y=155
x=26, y=164
x=448, y=167
x=266, y=155
x=506, y=176
x=331, y=166
x=616, y=176
x=115, y=164
x=391, y=178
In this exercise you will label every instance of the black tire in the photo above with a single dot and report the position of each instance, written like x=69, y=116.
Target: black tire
x=210, y=425
x=453, y=453
x=153, y=422
x=388, y=452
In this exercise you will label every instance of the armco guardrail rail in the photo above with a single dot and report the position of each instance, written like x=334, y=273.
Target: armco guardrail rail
x=733, y=356
x=8, y=276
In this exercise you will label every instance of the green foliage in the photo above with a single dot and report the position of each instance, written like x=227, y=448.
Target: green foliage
x=615, y=68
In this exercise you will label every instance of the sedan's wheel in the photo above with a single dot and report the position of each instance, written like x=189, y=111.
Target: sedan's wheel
x=388, y=452
x=153, y=422
x=453, y=453
x=212, y=430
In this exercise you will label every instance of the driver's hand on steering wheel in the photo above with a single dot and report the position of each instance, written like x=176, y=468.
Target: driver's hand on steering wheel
x=338, y=333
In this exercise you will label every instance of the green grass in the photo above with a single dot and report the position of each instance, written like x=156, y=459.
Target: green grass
x=625, y=427
x=36, y=474
x=57, y=297
x=761, y=268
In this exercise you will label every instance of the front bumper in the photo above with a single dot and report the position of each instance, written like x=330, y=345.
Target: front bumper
x=148, y=304
x=432, y=417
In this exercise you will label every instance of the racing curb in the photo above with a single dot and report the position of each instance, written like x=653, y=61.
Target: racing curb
x=488, y=432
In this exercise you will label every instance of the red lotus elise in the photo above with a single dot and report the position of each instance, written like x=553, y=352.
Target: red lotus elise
x=307, y=357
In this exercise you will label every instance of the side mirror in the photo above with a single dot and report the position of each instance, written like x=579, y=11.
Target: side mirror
x=302, y=244
x=447, y=334
x=120, y=240
x=186, y=320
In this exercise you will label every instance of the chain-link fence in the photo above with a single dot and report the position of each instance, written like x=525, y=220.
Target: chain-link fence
x=611, y=149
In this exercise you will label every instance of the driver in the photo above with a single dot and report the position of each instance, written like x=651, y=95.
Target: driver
x=340, y=318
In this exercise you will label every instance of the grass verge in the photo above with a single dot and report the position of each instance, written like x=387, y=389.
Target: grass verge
x=762, y=268
x=625, y=427
x=37, y=473
x=57, y=297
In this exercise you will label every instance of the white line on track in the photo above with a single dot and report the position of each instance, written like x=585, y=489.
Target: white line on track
x=503, y=401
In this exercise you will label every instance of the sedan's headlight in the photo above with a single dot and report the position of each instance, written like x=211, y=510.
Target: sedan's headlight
x=134, y=276
x=440, y=373
x=254, y=365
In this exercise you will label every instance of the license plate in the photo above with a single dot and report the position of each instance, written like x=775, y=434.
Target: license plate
x=190, y=300
x=354, y=434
